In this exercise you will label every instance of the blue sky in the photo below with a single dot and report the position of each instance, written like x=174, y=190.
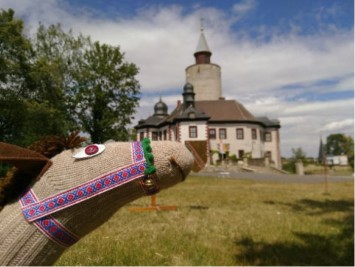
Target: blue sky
x=292, y=60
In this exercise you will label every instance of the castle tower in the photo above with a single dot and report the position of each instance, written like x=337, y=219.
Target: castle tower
x=204, y=75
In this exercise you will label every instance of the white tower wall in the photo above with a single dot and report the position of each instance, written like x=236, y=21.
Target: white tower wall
x=206, y=80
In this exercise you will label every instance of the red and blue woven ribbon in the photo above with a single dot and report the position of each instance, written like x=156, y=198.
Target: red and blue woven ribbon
x=39, y=211
x=50, y=226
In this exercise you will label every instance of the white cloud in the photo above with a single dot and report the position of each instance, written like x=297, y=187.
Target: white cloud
x=302, y=123
x=243, y=7
x=284, y=61
x=161, y=42
x=338, y=125
x=319, y=108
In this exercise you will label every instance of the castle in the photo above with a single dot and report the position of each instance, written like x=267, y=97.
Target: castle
x=225, y=127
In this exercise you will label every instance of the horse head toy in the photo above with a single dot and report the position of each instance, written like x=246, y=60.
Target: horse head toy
x=77, y=190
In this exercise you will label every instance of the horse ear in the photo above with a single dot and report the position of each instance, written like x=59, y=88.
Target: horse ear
x=24, y=159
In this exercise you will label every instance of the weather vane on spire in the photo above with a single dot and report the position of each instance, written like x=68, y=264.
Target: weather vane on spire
x=201, y=24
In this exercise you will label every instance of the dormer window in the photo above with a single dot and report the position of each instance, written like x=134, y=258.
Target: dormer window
x=192, y=115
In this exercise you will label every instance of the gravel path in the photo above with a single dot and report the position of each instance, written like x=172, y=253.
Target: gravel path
x=282, y=178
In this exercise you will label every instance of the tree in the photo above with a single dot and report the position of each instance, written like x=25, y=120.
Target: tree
x=32, y=99
x=57, y=82
x=89, y=83
x=106, y=93
x=298, y=154
x=15, y=82
x=56, y=60
x=321, y=152
x=340, y=144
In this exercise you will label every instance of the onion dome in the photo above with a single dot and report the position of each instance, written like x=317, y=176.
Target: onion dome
x=188, y=88
x=160, y=109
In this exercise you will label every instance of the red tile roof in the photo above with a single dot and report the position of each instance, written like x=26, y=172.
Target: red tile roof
x=218, y=111
x=224, y=110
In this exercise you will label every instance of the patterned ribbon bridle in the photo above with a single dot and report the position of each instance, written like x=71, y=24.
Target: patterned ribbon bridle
x=40, y=212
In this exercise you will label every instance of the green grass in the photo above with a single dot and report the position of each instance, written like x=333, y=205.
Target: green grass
x=228, y=222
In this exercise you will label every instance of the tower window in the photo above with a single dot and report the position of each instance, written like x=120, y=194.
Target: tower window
x=193, y=131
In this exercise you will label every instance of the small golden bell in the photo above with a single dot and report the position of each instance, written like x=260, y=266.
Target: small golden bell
x=149, y=183
x=150, y=186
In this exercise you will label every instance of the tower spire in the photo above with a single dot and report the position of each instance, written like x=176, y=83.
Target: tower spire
x=203, y=53
x=321, y=151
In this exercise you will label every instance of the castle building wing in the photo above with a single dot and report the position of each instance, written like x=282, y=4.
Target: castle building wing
x=206, y=116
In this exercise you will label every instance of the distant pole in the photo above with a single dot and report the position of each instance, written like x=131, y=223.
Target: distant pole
x=322, y=155
x=325, y=174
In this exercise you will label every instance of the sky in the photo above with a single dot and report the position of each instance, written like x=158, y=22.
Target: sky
x=291, y=60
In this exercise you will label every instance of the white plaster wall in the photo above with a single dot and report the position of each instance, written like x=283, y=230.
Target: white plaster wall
x=201, y=131
x=255, y=147
x=273, y=147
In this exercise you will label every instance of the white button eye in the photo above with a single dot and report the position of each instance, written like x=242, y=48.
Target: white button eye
x=90, y=151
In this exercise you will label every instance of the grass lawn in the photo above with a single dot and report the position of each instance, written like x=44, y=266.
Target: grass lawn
x=228, y=222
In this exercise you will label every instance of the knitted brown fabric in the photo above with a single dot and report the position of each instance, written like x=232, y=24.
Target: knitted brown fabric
x=21, y=243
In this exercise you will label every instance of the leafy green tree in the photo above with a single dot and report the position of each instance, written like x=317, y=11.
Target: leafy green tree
x=106, y=93
x=57, y=82
x=56, y=59
x=340, y=144
x=32, y=99
x=298, y=154
x=15, y=83
x=91, y=85
x=41, y=119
